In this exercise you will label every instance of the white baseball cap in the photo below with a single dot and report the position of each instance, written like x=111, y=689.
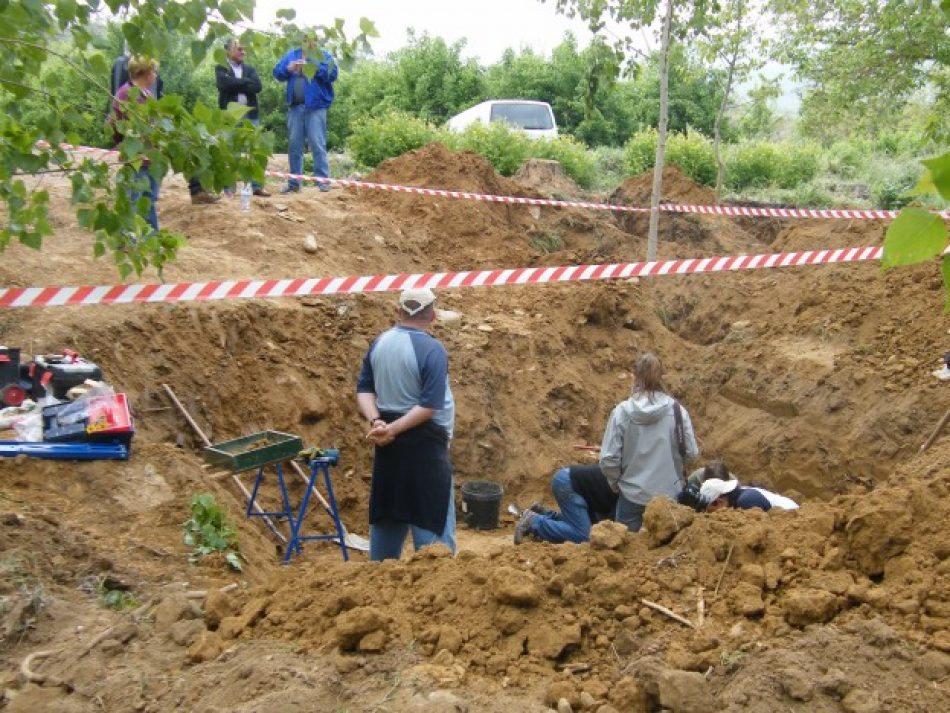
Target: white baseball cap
x=714, y=488
x=415, y=299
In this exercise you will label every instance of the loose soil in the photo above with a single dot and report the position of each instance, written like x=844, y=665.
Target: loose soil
x=815, y=382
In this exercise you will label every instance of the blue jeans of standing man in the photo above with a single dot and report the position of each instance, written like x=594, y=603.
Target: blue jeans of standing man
x=387, y=537
x=151, y=193
x=308, y=125
x=630, y=514
x=572, y=523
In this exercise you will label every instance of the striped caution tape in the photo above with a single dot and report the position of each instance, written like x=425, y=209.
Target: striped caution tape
x=739, y=211
x=302, y=287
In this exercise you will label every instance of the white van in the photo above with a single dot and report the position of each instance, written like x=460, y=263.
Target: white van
x=534, y=118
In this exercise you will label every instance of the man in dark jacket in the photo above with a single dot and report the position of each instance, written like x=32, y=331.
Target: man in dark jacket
x=238, y=83
x=585, y=498
x=307, y=104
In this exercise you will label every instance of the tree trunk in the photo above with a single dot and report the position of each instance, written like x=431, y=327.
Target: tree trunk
x=661, y=138
x=717, y=138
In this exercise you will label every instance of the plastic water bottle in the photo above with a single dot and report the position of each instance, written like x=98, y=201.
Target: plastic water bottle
x=246, y=193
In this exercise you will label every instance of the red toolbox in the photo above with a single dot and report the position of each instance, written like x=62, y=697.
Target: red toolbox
x=100, y=419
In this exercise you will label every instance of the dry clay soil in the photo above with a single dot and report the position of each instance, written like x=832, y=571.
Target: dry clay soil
x=815, y=382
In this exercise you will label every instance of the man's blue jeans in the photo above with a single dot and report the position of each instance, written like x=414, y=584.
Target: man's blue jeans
x=573, y=523
x=151, y=193
x=630, y=514
x=308, y=125
x=387, y=537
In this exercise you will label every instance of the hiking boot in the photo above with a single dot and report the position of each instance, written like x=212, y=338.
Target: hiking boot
x=289, y=188
x=262, y=193
x=523, y=527
x=203, y=198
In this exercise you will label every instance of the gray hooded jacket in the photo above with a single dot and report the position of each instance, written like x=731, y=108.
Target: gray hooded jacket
x=639, y=450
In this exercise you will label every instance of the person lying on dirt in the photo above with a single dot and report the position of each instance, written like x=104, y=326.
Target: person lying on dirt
x=585, y=498
x=648, y=439
x=716, y=494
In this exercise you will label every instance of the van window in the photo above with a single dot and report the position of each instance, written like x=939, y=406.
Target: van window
x=526, y=116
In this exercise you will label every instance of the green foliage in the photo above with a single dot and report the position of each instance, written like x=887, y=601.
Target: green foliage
x=640, y=151
x=799, y=164
x=692, y=153
x=577, y=161
x=117, y=599
x=917, y=235
x=208, y=530
x=863, y=61
x=505, y=149
x=845, y=158
x=610, y=167
x=377, y=138
x=54, y=73
x=752, y=165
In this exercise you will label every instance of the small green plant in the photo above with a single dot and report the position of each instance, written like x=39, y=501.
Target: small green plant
x=547, y=242
x=117, y=599
x=208, y=530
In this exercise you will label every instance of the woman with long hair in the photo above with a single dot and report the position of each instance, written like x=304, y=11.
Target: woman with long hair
x=648, y=439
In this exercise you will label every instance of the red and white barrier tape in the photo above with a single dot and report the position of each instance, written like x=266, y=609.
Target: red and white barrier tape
x=248, y=289
x=742, y=211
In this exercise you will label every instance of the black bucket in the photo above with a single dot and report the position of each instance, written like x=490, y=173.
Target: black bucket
x=480, y=502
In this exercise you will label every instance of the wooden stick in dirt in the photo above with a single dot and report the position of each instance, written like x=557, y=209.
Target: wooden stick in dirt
x=38, y=678
x=671, y=614
x=936, y=432
x=585, y=447
x=184, y=412
x=723, y=572
x=701, y=609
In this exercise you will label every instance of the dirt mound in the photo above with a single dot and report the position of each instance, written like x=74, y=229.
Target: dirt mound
x=549, y=178
x=676, y=188
x=809, y=380
x=681, y=234
x=875, y=566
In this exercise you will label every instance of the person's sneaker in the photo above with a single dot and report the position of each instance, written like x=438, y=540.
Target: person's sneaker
x=324, y=187
x=524, y=525
x=289, y=188
x=203, y=198
x=943, y=374
x=262, y=193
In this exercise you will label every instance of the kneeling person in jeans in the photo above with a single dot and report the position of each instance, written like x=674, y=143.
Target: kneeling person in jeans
x=585, y=498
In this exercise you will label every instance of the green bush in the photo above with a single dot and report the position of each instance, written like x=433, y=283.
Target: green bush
x=799, y=164
x=506, y=150
x=693, y=154
x=640, y=151
x=610, y=167
x=377, y=138
x=845, y=158
x=752, y=165
x=577, y=161
x=811, y=195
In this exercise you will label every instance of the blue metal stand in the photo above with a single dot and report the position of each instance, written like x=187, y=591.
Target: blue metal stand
x=286, y=512
x=295, y=521
x=322, y=465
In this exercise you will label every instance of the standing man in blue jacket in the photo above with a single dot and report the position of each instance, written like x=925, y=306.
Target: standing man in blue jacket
x=307, y=104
